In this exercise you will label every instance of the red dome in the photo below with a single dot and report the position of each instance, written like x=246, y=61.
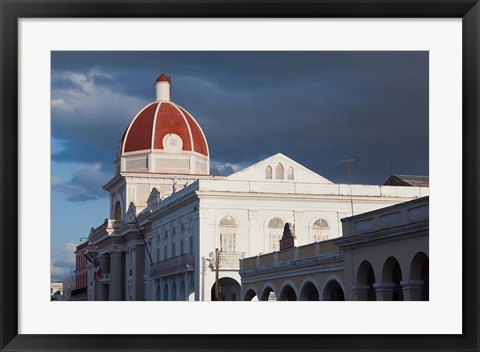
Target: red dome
x=155, y=121
x=163, y=78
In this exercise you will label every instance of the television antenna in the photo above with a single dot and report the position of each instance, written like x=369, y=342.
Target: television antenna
x=348, y=162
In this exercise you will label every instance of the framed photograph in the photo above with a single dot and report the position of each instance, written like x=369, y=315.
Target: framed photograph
x=75, y=83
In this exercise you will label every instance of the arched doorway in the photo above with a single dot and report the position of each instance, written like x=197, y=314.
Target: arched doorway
x=309, y=292
x=392, y=273
x=250, y=295
x=366, y=278
x=333, y=291
x=268, y=294
x=419, y=270
x=288, y=294
x=229, y=290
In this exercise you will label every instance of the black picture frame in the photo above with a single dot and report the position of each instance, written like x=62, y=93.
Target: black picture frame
x=12, y=11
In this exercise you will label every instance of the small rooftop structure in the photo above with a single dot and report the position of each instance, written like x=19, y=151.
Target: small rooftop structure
x=407, y=180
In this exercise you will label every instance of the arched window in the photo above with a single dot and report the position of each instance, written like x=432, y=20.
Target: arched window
x=279, y=172
x=275, y=232
x=227, y=231
x=268, y=172
x=165, y=244
x=290, y=173
x=191, y=231
x=182, y=239
x=118, y=212
x=321, y=230
x=174, y=240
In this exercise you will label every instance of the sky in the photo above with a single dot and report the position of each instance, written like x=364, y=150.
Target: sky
x=316, y=107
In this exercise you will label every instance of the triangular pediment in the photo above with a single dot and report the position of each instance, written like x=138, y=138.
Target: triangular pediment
x=292, y=171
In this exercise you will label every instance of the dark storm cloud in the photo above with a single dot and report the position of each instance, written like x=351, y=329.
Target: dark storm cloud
x=315, y=107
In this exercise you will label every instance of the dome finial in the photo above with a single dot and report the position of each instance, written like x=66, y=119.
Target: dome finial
x=163, y=87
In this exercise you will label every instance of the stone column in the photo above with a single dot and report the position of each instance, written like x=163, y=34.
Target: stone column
x=255, y=238
x=139, y=295
x=412, y=290
x=360, y=292
x=116, y=276
x=300, y=234
x=101, y=292
x=187, y=285
x=102, y=289
x=384, y=291
x=104, y=263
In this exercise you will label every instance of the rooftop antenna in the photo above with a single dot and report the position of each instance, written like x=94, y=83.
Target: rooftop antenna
x=391, y=167
x=348, y=162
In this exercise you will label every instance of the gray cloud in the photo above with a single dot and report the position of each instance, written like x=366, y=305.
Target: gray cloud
x=85, y=184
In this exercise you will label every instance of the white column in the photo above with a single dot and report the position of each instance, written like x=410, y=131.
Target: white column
x=116, y=276
x=360, y=292
x=384, y=291
x=412, y=290
x=139, y=267
x=302, y=237
x=255, y=234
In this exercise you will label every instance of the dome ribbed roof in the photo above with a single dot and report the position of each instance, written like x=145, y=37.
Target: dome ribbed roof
x=158, y=119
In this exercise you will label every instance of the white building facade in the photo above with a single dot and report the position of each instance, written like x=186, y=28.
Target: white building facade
x=382, y=255
x=168, y=215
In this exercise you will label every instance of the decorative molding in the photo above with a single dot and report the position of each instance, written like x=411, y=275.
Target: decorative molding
x=154, y=197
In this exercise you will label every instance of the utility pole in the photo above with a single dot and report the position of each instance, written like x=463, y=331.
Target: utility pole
x=217, y=264
x=348, y=162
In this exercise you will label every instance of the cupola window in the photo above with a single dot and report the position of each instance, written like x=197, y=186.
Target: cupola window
x=279, y=172
x=290, y=173
x=268, y=172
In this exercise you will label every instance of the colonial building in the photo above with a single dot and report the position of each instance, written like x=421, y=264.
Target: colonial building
x=168, y=215
x=81, y=274
x=382, y=255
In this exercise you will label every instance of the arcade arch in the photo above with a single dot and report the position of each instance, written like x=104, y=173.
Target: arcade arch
x=309, y=292
x=419, y=271
x=333, y=291
x=366, y=278
x=392, y=274
x=229, y=290
x=250, y=295
x=268, y=294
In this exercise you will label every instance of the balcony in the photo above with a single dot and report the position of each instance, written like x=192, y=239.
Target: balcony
x=175, y=265
x=227, y=261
